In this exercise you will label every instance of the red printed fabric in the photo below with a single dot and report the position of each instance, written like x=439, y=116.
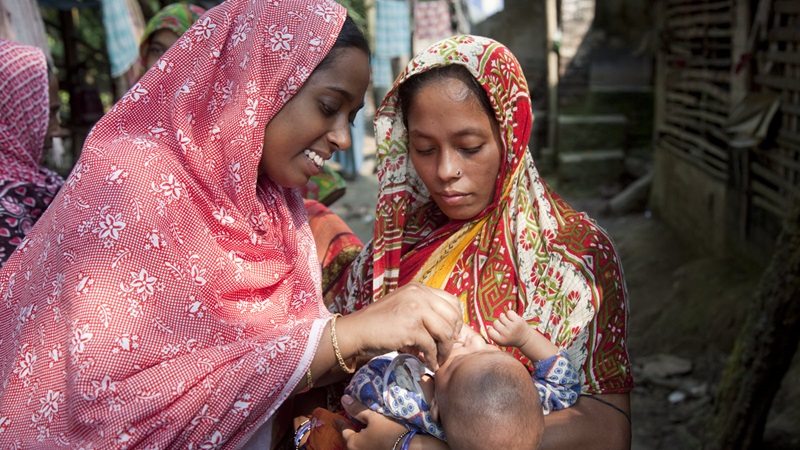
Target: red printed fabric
x=531, y=252
x=26, y=187
x=170, y=297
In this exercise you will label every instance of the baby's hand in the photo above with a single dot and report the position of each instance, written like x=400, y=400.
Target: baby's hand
x=509, y=330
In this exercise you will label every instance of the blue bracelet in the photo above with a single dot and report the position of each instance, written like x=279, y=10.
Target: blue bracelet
x=301, y=431
x=407, y=440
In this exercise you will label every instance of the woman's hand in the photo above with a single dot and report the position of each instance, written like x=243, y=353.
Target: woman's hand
x=380, y=432
x=416, y=318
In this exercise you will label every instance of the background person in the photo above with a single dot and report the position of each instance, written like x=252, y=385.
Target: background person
x=29, y=106
x=164, y=29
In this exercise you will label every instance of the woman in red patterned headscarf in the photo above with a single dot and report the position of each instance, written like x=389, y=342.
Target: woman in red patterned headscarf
x=170, y=295
x=26, y=187
x=462, y=208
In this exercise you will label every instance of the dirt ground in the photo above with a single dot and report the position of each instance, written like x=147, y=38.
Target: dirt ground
x=686, y=310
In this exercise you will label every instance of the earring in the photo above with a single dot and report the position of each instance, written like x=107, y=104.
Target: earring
x=458, y=173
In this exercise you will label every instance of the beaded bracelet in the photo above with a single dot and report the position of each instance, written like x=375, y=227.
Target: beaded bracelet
x=407, y=440
x=309, y=380
x=301, y=431
x=336, y=346
x=397, y=442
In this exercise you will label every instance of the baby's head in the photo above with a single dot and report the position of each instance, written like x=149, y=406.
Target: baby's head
x=485, y=399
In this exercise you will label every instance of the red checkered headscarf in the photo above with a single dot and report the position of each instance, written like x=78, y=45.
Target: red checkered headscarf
x=170, y=296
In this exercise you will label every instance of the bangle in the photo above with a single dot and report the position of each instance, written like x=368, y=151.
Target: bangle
x=309, y=380
x=336, y=346
x=407, y=440
x=301, y=431
x=397, y=442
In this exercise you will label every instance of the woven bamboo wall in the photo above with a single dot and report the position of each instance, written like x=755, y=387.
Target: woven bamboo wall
x=775, y=169
x=696, y=47
x=717, y=59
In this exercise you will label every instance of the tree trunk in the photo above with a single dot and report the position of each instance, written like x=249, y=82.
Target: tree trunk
x=763, y=350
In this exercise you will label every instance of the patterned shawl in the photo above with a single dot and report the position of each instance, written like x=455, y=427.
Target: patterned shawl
x=26, y=187
x=528, y=251
x=170, y=296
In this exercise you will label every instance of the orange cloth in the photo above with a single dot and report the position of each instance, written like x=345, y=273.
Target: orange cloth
x=337, y=247
x=325, y=432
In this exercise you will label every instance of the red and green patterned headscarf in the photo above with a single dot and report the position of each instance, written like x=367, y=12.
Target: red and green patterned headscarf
x=527, y=251
x=177, y=17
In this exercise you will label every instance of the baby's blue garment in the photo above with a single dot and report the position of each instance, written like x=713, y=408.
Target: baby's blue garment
x=390, y=385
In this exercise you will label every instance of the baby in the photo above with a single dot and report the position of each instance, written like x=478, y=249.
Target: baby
x=481, y=397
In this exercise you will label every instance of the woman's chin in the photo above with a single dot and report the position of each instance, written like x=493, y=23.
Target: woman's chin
x=458, y=213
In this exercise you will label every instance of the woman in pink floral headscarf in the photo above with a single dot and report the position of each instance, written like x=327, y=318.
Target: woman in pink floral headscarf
x=26, y=187
x=170, y=296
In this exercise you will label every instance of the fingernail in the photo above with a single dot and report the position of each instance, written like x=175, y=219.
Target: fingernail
x=347, y=400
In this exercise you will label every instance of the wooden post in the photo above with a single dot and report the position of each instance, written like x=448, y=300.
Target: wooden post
x=739, y=162
x=660, y=92
x=551, y=11
x=70, y=79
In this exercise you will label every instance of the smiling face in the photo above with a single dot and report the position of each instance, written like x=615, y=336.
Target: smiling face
x=455, y=147
x=316, y=121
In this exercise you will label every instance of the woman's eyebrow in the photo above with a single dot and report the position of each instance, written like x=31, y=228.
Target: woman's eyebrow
x=468, y=131
x=342, y=91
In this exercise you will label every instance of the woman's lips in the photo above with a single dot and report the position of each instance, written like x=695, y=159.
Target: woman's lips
x=314, y=157
x=452, y=198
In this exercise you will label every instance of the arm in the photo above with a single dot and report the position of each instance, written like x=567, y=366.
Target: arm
x=580, y=424
x=557, y=381
x=589, y=424
x=422, y=319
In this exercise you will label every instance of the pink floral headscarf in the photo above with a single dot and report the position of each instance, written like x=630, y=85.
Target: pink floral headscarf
x=170, y=297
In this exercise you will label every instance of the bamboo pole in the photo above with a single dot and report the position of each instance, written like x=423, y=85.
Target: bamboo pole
x=551, y=12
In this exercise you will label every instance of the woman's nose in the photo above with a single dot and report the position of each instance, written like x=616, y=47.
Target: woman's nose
x=447, y=165
x=340, y=135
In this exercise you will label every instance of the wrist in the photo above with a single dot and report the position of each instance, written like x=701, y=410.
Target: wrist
x=403, y=441
x=300, y=435
x=341, y=355
x=356, y=339
x=407, y=440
